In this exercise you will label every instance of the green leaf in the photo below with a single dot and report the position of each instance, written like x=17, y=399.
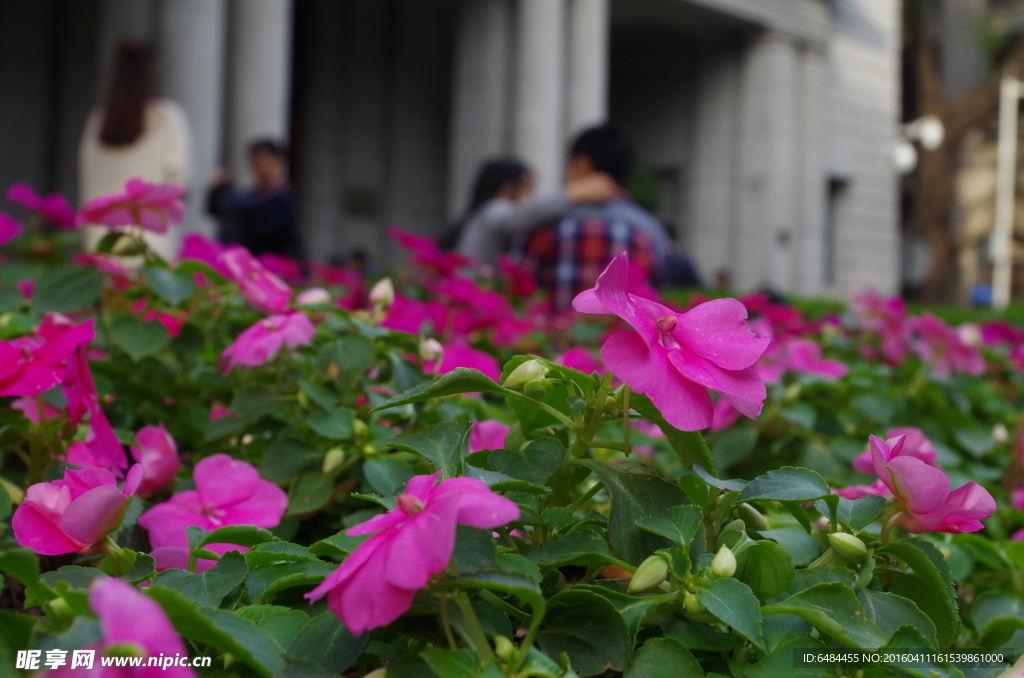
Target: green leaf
x=635, y=496
x=584, y=547
x=909, y=639
x=997, y=618
x=632, y=608
x=283, y=626
x=834, y=610
x=266, y=580
x=352, y=354
x=459, y=380
x=734, y=604
x=732, y=445
x=766, y=568
x=929, y=585
x=67, y=288
x=310, y=492
x=443, y=445
x=889, y=612
x=474, y=550
x=256, y=400
x=786, y=484
x=689, y=445
x=337, y=545
x=275, y=551
x=386, y=475
x=171, y=286
x=727, y=485
x=76, y=577
x=223, y=427
x=324, y=396
x=240, y=535
x=589, y=629
x=539, y=665
x=23, y=565
x=335, y=424
x=210, y=587
x=15, y=634
x=325, y=642
x=453, y=663
x=679, y=525
x=512, y=583
x=221, y=629
x=535, y=463
x=663, y=658
x=699, y=636
x=856, y=513
x=190, y=266
x=975, y=439
x=806, y=579
x=283, y=459
x=137, y=337
x=780, y=662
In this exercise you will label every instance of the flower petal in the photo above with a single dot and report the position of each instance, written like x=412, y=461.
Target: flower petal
x=222, y=480
x=717, y=330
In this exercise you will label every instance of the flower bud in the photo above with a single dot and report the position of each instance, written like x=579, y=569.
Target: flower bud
x=1000, y=434
x=334, y=458
x=504, y=648
x=382, y=295
x=431, y=350
x=314, y=296
x=723, y=565
x=528, y=371
x=752, y=518
x=611, y=406
x=651, y=572
x=359, y=429
x=303, y=399
x=691, y=603
x=538, y=388
x=848, y=547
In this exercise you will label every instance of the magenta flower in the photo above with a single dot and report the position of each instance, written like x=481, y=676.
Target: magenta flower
x=283, y=267
x=915, y=444
x=259, y=343
x=260, y=287
x=196, y=247
x=34, y=364
x=29, y=406
x=675, y=357
x=9, y=228
x=579, y=358
x=487, y=435
x=461, y=355
x=858, y=491
x=410, y=544
x=228, y=492
x=154, y=207
x=158, y=455
x=130, y=620
x=426, y=253
x=72, y=514
x=53, y=208
x=804, y=356
x=101, y=443
x=923, y=492
x=941, y=347
x=885, y=315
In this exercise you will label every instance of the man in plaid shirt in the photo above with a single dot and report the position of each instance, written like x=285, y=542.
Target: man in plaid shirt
x=566, y=256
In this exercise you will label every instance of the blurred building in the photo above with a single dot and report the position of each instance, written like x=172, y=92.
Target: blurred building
x=766, y=126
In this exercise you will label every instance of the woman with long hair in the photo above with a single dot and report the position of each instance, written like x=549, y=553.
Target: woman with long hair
x=501, y=211
x=133, y=134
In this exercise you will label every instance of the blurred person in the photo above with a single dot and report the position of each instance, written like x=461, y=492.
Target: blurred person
x=568, y=254
x=263, y=219
x=679, y=269
x=133, y=134
x=359, y=261
x=501, y=210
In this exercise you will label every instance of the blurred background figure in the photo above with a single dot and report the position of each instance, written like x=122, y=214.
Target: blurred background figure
x=501, y=210
x=262, y=219
x=133, y=134
x=567, y=256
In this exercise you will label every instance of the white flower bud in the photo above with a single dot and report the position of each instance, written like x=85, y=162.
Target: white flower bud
x=314, y=296
x=848, y=547
x=651, y=572
x=333, y=459
x=526, y=372
x=724, y=564
x=1000, y=434
x=431, y=350
x=382, y=295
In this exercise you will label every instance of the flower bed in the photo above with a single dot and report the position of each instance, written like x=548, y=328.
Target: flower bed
x=302, y=473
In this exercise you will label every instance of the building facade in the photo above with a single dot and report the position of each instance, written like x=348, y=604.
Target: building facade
x=765, y=126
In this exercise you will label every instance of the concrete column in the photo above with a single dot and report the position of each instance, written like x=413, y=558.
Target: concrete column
x=192, y=37
x=120, y=20
x=479, y=118
x=587, y=64
x=812, y=180
x=259, y=77
x=539, y=123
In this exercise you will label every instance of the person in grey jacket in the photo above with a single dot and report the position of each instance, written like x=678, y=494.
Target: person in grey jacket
x=501, y=210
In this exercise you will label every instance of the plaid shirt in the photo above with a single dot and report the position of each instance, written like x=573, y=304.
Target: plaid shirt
x=567, y=257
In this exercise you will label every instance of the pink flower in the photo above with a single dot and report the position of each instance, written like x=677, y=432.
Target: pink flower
x=158, y=455
x=154, y=207
x=857, y=491
x=427, y=254
x=9, y=228
x=196, y=247
x=228, y=492
x=915, y=444
x=406, y=315
x=518, y=280
x=487, y=435
x=412, y=543
x=130, y=619
x=940, y=346
x=579, y=358
x=996, y=332
x=72, y=514
x=34, y=364
x=54, y=207
x=285, y=268
x=101, y=443
x=461, y=355
x=29, y=406
x=923, y=491
x=259, y=343
x=804, y=356
x=675, y=357
x=26, y=286
x=260, y=287
x=218, y=411
x=723, y=416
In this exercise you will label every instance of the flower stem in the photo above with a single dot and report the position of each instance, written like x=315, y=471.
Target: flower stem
x=889, y=524
x=625, y=417
x=585, y=498
x=445, y=621
x=476, y=633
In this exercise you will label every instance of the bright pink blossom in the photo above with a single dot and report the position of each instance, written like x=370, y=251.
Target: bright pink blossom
x=283, y=267
x=104, y=449
x=197, y=247
x=915, y=444
x=923, y=491
x=130, y=619
x=518, y=280
x=723, y=416
x=9, y=228
x=857, y=491
x=675, y=357
x=940, y=346
x=885, y=315
x=579, y=358
x=154, y=207
x=804, y=356
x=53, y=208
x=410, y=544
x=260, y=287
x=461, y=355
x=487, y=435
x=426, y=253
x=158, y=455
x=72, y=514
x=34, y=364
x=26, y=286
x=259, y=343
x=29, y=406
